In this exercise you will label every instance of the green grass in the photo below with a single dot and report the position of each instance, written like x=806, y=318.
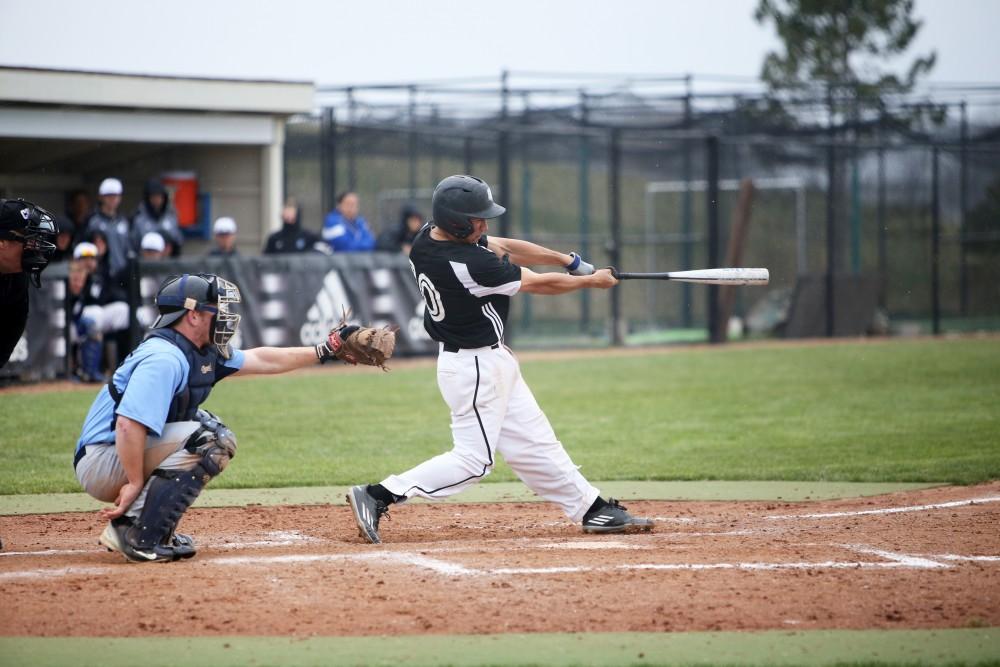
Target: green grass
x=899, y=411
x=806, y=649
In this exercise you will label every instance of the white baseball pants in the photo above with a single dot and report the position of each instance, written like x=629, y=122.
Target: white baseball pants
x=493, y=411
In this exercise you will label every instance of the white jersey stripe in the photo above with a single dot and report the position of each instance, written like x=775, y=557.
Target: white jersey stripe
x=499, y=320
x=494, y=321
x=462, y=273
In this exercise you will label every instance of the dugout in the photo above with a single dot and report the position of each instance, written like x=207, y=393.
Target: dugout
x=66, y=130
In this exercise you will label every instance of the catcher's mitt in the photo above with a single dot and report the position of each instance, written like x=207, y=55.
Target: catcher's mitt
x=358, y=345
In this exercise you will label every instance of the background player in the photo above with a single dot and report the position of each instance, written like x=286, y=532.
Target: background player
x=146, y=446
x=466, y=281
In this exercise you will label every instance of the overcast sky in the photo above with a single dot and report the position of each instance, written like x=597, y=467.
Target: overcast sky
x=399, y=41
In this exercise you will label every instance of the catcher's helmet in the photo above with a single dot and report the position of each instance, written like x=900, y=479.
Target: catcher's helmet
x=459, y=199
x=205, y=292
x=33, y=226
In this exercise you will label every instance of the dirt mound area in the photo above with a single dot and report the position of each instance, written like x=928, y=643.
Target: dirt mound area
x=925, y=559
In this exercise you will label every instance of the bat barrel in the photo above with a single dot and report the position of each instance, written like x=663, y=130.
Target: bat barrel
x=727, y=276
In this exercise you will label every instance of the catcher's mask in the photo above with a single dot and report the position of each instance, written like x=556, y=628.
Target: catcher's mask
x=204, y=292
x=33, y=226
x=457, y=200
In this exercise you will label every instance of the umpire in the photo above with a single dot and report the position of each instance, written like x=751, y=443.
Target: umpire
x=27, y=233
x=146, y=445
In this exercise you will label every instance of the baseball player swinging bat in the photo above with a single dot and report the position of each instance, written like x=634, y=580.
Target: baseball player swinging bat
x=704, y=276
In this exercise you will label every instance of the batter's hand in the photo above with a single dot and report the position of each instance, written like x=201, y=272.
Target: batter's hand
x=126, y=496
x=603, y=279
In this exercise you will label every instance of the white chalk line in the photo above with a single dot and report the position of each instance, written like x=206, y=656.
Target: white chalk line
x=277, y=538
x=891, y=560
x=983, y=559
x=889, y=510
x=54, y=573
x=46, y=552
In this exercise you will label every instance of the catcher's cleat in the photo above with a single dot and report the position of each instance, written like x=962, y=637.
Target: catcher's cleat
x=115, y=538
x=367, y=511
x=183, y=545
x=612, y=518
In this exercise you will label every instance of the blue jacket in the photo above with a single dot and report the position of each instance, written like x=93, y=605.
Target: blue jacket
x=345, y=235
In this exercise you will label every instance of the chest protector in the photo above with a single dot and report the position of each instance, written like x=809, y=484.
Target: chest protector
x=204, y=370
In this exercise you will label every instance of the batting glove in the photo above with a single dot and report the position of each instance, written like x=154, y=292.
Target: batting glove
x=579, y=266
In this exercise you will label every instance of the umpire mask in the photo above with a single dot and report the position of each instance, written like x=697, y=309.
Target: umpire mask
x=33, y=226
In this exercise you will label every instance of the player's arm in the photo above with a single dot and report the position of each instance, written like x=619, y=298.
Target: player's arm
x=274, y=360
x=561, y=283
x=527, y=253
x=130, y=445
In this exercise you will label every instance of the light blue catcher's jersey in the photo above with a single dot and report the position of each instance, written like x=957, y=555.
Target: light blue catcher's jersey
x=153, y=374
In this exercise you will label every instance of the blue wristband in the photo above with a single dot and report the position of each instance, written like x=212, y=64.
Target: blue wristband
x=572, y=266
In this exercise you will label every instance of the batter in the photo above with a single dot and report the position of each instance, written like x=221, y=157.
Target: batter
x=466, y=280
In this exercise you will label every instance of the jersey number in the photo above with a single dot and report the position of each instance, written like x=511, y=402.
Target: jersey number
x=435, y=307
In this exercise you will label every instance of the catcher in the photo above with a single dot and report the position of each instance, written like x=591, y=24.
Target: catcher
x=148, y=447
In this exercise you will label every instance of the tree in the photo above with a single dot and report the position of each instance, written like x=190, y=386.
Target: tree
x=833, y=56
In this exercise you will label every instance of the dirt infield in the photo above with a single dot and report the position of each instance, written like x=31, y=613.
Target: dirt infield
x=927, y=559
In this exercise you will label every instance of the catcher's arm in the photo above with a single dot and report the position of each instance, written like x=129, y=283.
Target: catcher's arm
x=273, y=360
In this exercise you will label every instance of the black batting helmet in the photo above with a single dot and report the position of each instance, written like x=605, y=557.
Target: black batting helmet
x=459, y=199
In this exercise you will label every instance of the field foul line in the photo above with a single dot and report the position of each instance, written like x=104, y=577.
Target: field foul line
x=892, y=560
x=889, y=510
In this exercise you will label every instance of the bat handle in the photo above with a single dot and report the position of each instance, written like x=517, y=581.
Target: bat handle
x=614, y=272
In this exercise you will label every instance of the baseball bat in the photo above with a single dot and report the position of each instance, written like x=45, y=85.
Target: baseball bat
x=704, y=276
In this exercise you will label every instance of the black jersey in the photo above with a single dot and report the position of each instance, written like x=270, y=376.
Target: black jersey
x=466, y=290
x=14, y=307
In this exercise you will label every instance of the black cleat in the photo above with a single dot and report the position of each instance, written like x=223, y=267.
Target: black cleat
x=612, y=518
x=367, y=511
x=183, y=545
x=115, y=538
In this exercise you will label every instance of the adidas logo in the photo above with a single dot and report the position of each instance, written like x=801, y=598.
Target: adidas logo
x=326, y=311
x=600, y=519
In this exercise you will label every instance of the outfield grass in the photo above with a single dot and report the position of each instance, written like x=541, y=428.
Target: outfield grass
x=900, y=411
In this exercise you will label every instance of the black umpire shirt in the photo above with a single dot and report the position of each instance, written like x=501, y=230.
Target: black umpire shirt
x=466, y=290
x=13, y=311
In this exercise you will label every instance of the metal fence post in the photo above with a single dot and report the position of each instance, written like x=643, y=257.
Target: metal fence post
x=687, y=226
x=584, y=202
x=412, y=159
x=883, y=250
x=503, y=159
x=328, y=160
x=963, y=189
x=831, y=236
x=352, y=172
x=716, y=329
x=614, y=218
x=467, y=154
x=935, y=243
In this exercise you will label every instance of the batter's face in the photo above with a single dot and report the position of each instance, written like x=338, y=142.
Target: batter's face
x=479, y=227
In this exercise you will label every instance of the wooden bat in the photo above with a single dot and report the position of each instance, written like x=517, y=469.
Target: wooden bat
x=705, y=276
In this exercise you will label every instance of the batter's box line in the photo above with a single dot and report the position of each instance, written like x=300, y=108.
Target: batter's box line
x=888, y=510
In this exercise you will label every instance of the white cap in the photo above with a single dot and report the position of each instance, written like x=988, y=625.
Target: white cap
x=224, y=226
x=110, y=186
x=84, y=249
x=153, y=241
